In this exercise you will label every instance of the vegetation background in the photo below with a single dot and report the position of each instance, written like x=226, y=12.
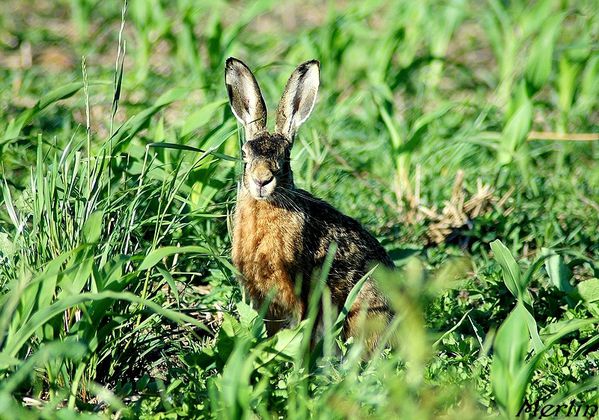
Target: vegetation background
x=463, y=134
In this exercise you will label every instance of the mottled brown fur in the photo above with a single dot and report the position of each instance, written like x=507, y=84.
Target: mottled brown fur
x=264, y=252
x=281, y=233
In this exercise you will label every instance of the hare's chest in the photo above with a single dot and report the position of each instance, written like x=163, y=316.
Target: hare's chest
x=266, y=241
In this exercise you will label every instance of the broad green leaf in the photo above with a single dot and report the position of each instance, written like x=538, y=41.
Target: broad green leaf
x=559, y=273
x=15, y=126
x=566, y=83
x=218, y=137
x=110, y=273
x=512, y=276
x=394, y=136
x=92, y=229
x=236, y=379
x=77, y=274
x=589, y=290
x=512, y=339
x=286, y=344
x=530, y=272
x=533, y=330
x=589, y=86
x=229, y=334
x=247, y=315
x=517, y=126
x=535, y=17
x=510, y=380
x=509, y=353
x=540, y=59
x=136, y=123
x=201, y=117
x=7, y=248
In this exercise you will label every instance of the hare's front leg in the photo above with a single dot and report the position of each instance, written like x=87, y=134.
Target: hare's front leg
x=368, y=318
x=284, y=311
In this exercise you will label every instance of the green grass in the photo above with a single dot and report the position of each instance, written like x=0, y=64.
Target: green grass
x=119, y=171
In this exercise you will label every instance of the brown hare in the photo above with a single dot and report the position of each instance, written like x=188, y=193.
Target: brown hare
x=281, y=233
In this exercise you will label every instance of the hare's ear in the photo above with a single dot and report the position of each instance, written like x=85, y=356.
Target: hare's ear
x=245, y=97
x=298, y=98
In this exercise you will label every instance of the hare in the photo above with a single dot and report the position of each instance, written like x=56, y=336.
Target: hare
x=282, y=234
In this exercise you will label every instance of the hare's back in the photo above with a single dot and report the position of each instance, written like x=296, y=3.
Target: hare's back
x=357, y=250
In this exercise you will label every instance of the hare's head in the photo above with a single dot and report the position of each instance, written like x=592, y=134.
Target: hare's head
x=265, y=154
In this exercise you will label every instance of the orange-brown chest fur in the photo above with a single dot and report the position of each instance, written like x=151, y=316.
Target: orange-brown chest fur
x=266, y=241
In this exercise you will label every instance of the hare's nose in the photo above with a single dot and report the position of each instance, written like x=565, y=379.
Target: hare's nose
x=263, y=181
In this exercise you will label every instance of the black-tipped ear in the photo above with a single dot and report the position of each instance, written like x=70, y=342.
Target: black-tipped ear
x=298, y=98
x=245, y=97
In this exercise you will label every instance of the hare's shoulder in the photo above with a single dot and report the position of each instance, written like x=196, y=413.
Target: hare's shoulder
x=324, y=216
x=329, y=225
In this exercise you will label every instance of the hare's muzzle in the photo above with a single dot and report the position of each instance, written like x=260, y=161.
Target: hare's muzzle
x=262, y=181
